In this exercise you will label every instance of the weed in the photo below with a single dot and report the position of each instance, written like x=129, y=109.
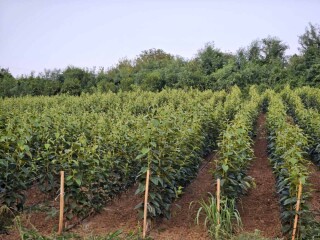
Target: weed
x=220, y=225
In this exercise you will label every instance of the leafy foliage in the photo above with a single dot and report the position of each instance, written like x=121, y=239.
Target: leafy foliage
x=104, y=143
x=287, y=146
x=223, y=224
x=264, y=62
x=235, y=150
x=308, y=119
x=173, y=146
x=310, y=97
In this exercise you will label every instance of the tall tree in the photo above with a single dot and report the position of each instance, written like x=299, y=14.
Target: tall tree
x=310, y=50
x=7, y=83
x=274, y=49
x=211, y=59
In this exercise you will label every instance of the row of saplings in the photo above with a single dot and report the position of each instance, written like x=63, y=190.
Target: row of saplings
x=287, y=147
x=287, y=144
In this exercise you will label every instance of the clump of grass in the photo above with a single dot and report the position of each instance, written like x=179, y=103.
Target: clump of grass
x=223, y=224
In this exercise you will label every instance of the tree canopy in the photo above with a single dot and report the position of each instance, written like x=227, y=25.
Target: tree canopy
x=263, y=62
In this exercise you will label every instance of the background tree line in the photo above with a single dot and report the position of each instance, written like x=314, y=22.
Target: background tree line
x=264, y=62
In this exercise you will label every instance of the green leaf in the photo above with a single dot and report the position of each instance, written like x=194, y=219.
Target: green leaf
x=155, y=180
x=225, y=167
x=140, y=156
x=145, y=150
x=155, y=122
x=293, y=161
x=78, y=181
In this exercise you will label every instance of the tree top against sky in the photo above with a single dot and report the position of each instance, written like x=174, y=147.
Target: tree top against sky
x=54, y=34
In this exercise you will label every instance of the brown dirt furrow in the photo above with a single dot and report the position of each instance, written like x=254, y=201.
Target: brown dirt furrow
x=315, y=190
x=35, y=219
x=259, y=209
x=117, y=215
x=182, y=223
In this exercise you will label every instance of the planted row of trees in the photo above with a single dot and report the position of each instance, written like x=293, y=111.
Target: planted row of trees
x=308, y=120
x=287, y=150
x=310, y=97
x=105, y=143
x=264, y=62
x=174, y=145
x=235, y=148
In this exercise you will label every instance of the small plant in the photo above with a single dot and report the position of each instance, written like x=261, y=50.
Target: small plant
x=6, y=216
x=223, y=224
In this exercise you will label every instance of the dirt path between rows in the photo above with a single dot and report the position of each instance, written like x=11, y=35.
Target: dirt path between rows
x=259, y=209
x=118, y=214
x=182, y=225
x=315, y=190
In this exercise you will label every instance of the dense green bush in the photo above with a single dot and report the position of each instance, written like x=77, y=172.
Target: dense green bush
x=287, y=149
x=235, y=148
x=263, y=62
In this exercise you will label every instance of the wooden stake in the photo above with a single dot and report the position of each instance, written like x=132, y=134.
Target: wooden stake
x=297, y=210
x=146, y=205
x=218, y=198
x=61, y=203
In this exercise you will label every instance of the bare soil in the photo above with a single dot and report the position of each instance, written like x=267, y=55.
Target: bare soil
x=34, y=215
x=119, y=214
x=315, y=188
x=259, y=209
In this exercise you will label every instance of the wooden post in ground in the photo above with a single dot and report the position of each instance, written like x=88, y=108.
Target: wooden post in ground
x=146, y=205
x=61, y=203
x=218, y=199
x=297, y=210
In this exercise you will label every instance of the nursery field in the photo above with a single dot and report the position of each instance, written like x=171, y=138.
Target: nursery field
x=262, y=146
